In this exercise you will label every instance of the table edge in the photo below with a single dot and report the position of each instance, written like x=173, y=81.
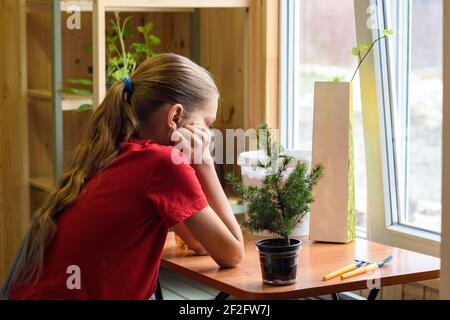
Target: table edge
x=299, y=293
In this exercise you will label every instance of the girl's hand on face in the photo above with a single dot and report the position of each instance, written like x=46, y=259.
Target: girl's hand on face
x=194, y=141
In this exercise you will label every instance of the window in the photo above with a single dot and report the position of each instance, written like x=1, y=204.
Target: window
x=411, y=71
x=317, y=43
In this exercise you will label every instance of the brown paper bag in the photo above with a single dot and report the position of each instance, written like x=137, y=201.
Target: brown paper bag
x=333, y=211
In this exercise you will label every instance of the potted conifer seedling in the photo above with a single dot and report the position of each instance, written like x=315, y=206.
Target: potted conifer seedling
x=278, y=206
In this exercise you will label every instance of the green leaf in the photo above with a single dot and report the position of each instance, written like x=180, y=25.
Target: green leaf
x=79, y=92
x=388, y=32
x=355, y=51
x=139, y=47
x=364, y=46
x=84, y=82
x=337, y=79
x=84, y=107
x=154, y=40
x=111, y=37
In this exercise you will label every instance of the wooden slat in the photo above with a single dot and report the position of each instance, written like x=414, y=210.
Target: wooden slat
x=38, y=50
x=225, y=57
x=44, y=5
x=39, y=136
x=40, y=94
x=263, y=64
x=98, y=47
x=272, y=62
x=136, y=4
x=255, y=70
x=139, y=5
x=315, y=260
x=69, y=102
x=37, y=5
x=42, y=183
x=14, y=190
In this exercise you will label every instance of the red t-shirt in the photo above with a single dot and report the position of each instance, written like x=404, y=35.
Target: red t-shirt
x=115, y=231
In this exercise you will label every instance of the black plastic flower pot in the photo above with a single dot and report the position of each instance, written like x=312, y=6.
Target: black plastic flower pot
x=278, y=258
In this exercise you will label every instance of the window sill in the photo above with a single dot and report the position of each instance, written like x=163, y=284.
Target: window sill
x=407, y=238
x=361, y=233
x=410, y=232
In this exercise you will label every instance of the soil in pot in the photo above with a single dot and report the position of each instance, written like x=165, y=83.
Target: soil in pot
x=278, y=260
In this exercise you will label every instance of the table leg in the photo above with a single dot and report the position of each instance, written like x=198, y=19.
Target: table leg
x=222, y=296
x=335, y=296
x=373, y=294
x=158, y=292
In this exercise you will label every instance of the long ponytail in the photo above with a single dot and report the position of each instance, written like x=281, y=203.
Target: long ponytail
x=113, y=121
x=166, y=78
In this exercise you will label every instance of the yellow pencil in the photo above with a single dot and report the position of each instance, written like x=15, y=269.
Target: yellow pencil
x=359, y=271
x=337, y=273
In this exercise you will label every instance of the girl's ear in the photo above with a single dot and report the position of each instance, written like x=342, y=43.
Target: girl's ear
x=175, y=116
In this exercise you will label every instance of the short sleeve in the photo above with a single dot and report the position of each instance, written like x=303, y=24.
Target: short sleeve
x=174, y=191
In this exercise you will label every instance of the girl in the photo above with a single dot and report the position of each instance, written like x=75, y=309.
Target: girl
x=107, y=220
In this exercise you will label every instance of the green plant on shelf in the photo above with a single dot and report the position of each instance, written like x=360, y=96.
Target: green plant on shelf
x=362, y=51
x=285, y=196
x=122, y=60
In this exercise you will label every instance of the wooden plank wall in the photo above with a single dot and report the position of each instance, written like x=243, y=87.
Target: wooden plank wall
x=171, y=28
x=13, y=138
x=223, y=52
x=38, y=53
x=263, y=66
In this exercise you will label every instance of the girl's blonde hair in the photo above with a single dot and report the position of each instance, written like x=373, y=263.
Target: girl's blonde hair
x=165, y=78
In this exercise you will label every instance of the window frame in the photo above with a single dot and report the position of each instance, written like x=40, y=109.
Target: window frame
x=376, y=100
x=289, y=77
x=396, y=138
x=385, y=227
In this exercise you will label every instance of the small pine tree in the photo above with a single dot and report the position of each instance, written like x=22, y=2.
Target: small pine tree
x=283, y=200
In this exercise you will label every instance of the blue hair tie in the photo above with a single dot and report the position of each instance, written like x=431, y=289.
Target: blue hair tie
x=128, y=85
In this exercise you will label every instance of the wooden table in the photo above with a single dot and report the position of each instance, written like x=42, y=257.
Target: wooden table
x=315, y=260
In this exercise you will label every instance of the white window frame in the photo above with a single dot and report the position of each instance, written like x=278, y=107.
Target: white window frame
x=376, y=97
x=290, y=77
x=395, y=137
x=289, y=70
x=381, y=222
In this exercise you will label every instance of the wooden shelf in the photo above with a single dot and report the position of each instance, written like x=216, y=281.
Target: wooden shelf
x=42, y=183
x=40, y=94
x=72, y=102
x=139, y=5
x=56, y=53
x=69, y=102
x=135, y=4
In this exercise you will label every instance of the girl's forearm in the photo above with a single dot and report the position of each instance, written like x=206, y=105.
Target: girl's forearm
x=217, y=199
x=183, y=232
